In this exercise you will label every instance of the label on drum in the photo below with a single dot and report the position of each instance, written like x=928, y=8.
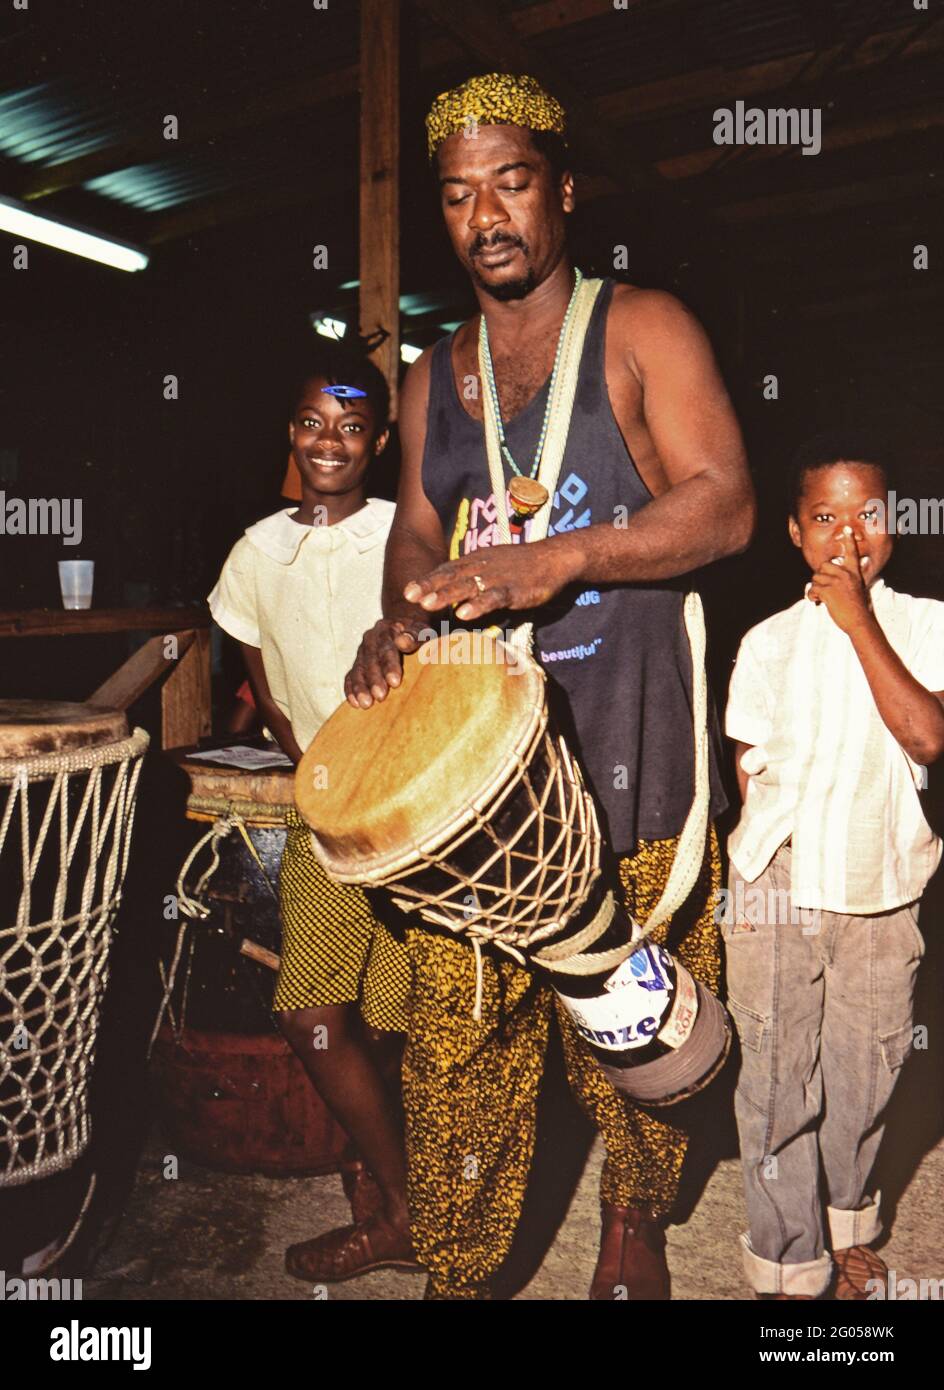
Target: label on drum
x=635, y=999
x=681, y=1020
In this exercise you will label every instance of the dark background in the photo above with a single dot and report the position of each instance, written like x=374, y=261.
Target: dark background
x=798, y=266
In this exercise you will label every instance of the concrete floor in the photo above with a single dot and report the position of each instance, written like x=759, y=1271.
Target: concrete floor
x=209, y=1235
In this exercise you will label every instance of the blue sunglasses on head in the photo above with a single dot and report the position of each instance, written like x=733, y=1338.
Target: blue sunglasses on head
x=344, y=393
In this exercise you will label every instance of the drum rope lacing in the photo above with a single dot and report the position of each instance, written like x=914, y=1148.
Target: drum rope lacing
x=61, y=962
x=689, y=854
x=193, y=906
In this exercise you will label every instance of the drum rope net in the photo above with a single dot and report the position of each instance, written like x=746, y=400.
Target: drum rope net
x=537, y=905
x=194, y=907
x=53, y=971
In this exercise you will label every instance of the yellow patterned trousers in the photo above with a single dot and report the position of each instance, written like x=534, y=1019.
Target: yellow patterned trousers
x=471, y=1089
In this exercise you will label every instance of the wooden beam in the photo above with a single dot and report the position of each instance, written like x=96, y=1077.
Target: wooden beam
x=842, y=136
x=548, y=15
x=140, y=671
x=485, y=31
x=186, y=698
x=716, y=85
x=81, y=622
x=815, y=202
x=379, y=301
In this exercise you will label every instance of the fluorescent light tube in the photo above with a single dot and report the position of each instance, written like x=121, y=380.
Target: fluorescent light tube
x=17, y=219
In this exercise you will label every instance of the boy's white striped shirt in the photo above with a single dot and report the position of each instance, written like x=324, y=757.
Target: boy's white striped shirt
x=824, y=768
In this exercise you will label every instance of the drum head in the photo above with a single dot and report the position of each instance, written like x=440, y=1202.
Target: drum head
x=32, y=728
x=261, y=797
x=377, y=785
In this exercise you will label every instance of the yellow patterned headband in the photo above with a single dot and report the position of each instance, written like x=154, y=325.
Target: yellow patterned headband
x=496, y=99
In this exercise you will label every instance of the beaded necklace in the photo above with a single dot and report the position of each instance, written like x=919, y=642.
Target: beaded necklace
x=493, y=389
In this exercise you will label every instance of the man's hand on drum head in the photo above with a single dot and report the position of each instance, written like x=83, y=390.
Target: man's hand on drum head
x=498, y=577
x=378, y=666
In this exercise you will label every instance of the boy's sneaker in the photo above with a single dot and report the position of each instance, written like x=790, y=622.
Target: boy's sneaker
x=858, y=1271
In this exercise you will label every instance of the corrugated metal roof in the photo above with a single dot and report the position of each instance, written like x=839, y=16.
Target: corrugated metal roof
x=96, y=78
x=51, y=121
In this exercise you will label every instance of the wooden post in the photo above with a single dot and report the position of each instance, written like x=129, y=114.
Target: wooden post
x=380, y=182
x=186, y=706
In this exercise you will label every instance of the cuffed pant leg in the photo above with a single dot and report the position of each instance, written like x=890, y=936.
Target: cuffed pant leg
x=867, y=1037
x=860, y=1227
x=775, y=996
x=767, y=1276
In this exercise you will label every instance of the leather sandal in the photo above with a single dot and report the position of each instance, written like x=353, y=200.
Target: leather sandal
x=632, y=1263
x=857, y=1267
x=350, y=1251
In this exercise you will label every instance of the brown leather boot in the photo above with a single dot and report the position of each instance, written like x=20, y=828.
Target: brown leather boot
x=350, y=1251
x=632, y=1263
x=360, y=1189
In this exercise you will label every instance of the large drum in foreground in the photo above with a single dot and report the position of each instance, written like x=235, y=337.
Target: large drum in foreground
x=457, y=795
x=68, y=780
x=232, y=1093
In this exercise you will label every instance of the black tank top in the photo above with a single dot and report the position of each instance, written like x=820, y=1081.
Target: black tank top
x=617, y=657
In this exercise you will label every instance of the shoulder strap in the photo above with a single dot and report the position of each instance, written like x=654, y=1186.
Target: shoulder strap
x=561, y=409
x=691, y=846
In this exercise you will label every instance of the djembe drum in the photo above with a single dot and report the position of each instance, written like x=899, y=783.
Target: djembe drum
x=458, y=796
x=232, y=1093
x=68, y=781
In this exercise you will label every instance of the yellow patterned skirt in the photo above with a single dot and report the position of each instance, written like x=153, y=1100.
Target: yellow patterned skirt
x=334, y=950
x=471, y=1089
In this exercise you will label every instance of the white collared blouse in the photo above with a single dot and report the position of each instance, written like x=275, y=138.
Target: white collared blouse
x=305, y=595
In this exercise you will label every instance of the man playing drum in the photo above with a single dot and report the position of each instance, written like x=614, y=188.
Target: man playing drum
x=653, y=485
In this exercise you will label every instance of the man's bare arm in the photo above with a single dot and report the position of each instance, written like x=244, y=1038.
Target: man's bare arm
x=415, y=545
x=416, y=537
x=706, y=513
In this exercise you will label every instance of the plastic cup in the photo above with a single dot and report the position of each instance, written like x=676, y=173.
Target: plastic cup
x=75, y=581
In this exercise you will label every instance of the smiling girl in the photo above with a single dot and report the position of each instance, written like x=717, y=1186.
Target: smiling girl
x=296, y=592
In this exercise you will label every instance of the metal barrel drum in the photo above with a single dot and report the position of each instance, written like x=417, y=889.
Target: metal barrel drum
x=232, y=1095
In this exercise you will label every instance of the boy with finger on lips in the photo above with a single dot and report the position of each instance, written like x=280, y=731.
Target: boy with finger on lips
x=836, y=707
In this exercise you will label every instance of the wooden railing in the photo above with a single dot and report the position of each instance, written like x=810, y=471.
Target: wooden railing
x=179, y=654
